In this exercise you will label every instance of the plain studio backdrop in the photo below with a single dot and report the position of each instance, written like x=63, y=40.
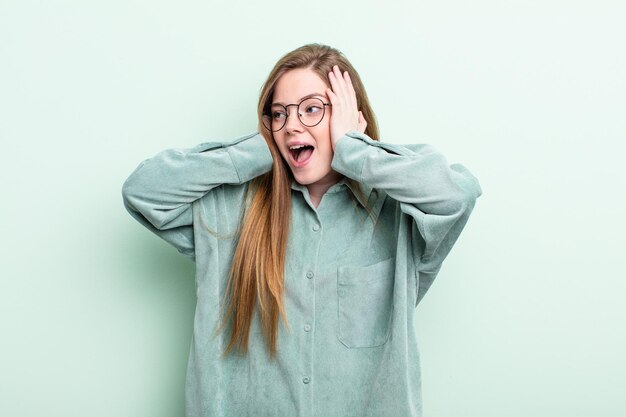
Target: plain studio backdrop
x=527, y=315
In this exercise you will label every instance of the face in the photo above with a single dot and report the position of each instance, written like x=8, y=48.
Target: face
x=312, y=166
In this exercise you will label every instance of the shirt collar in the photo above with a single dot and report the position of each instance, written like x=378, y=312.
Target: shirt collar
x=345, y=182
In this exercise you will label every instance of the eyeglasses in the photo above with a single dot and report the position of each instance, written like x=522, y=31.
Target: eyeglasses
x=310, y=112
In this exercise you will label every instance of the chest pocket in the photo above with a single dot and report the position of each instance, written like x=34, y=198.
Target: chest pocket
x=365, y=303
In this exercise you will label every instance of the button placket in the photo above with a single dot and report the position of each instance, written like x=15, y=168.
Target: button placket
x=309, y=275
x=307, y=338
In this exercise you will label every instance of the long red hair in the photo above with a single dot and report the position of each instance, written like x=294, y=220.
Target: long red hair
x=259, y=261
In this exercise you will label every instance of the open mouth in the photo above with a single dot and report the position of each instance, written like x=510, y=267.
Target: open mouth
x=302, y=153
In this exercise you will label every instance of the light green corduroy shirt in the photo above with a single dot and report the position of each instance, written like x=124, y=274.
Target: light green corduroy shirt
x=351, y=287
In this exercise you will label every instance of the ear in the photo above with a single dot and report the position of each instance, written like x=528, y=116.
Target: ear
x=362, y=123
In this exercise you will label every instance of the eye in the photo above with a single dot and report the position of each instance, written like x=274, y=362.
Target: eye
x=311, y=109
x=277, y=114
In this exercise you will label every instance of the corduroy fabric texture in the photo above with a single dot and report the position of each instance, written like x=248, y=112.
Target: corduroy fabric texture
x=351, y=286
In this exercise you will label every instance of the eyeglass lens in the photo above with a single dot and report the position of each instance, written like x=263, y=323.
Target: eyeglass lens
x=310, y=112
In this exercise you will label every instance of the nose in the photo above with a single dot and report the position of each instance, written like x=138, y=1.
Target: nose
x=293, y=121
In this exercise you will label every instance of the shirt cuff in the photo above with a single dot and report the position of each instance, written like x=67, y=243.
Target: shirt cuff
x=347, y=157
x=352, y=149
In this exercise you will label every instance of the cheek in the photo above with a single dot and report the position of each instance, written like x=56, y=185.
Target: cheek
x=324, y=140
x=278, y=141
x=322, y=132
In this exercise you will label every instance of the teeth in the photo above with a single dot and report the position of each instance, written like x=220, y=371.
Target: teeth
x=297, y=146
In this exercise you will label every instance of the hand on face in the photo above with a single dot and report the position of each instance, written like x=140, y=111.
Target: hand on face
x=344, y=114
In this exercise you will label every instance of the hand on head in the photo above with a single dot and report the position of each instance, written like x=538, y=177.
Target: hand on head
x=345, y=116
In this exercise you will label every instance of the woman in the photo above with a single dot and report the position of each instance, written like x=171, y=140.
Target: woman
x=315, y=220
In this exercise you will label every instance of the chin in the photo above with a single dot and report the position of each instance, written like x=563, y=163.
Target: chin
x=307, y=179
x=303, y=180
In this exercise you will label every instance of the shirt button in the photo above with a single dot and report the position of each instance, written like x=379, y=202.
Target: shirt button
x=307, y=327
x=309, y=275
x=316, y=227
x=341, y=293
x=306, y=379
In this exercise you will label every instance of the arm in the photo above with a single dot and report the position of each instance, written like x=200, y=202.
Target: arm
x=159, y=193
x=438, y=197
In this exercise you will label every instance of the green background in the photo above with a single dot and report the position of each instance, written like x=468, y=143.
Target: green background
x=527, y=315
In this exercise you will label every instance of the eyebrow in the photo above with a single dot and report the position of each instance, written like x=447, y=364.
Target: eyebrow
x=307, y=96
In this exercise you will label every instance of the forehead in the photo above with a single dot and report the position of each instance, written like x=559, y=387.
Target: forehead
x=297, y=83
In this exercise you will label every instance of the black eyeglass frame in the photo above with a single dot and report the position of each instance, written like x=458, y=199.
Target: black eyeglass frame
x=265, y=113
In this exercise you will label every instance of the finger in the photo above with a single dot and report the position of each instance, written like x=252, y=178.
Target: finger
x=333, y=82
x=340, y=101
x=341, y=83
x=351, y=91
x=348, y=89
x=331, y=95
x=349, y=84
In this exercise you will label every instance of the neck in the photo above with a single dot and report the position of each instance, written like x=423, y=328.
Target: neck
x=318, y=189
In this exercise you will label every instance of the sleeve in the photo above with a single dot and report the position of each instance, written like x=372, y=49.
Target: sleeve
x=438, y=197
x=159, y=193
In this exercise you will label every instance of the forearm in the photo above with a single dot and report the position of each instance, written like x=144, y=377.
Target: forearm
x=163, y=187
